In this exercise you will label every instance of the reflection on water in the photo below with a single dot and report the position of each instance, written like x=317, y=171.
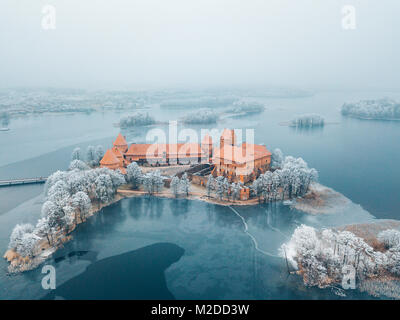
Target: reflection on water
x=138, y=274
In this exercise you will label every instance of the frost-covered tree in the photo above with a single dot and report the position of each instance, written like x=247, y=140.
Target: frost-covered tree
x=76, y=154
x=210, y=185
x=321, y=255
x=18, y=233
x=221, y=186
x=59, y=194
x=104, y=189
x=43, y=229
x=78, y=165
x=390, y=238
x=99, y=154
x=26, y=248
x=54, y=214
x=134, y=175
x=91, y=157
x=175, y=183
x=235, y=190
x=276, y=158
x=53, y=178
x=82, y=203
x=153, y=181
x=292, y=180
x=185, y=184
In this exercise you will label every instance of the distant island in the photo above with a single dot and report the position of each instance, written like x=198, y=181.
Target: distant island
x=308, y=121
x=136, y=119
x=382, y=109
x=201, y=116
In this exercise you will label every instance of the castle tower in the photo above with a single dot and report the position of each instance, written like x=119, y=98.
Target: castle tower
x=120, y=143
x=207, y=146
x=110, y=161
x=228, y=138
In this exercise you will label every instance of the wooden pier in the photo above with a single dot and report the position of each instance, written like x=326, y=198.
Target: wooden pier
x=17, y=182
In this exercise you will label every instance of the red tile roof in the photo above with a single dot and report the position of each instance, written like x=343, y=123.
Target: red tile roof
x=242, y=154
x=120, y=141
x=109, y=158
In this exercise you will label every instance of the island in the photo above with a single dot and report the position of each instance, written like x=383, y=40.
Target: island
x=381, y=109
x=244, y=174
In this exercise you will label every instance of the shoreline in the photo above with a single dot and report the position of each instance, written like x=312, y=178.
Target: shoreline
x=45, y=250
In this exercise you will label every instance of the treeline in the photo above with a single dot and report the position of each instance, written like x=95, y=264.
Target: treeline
x=136, y=120
x=322, y=255
x=69, y=196
x=291, y=178
x=221, y=187
x=92, y=157
x=385, y=109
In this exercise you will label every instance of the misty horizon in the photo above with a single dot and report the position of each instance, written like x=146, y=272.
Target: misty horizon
x=190, y=44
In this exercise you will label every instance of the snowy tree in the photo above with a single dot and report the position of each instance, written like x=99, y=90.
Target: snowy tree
x=76, y=154
x=210, y=185
x=26, y=248
x=134, y=174
x=78, y=165
x=82, y=202
x=221, y=186
x=44, y=229
x=104, y=189
x=175, y=183
x=53, y=178
x=235, y=190
x=17, y=234
x=390, y=238
x=321, y=256
x=91, y=157
x=54, y=214
x=276, y=159
x=117, y=178
x=185, y=184
x=153, y=181
x=99, y=154
x=257, y=187
x=59, y=194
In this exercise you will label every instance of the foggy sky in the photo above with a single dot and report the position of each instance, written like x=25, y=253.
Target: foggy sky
x=140, y=43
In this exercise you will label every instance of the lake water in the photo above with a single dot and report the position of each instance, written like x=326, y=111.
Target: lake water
x=205, y=253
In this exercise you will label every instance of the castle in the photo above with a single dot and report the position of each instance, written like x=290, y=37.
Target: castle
x=242, y=163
